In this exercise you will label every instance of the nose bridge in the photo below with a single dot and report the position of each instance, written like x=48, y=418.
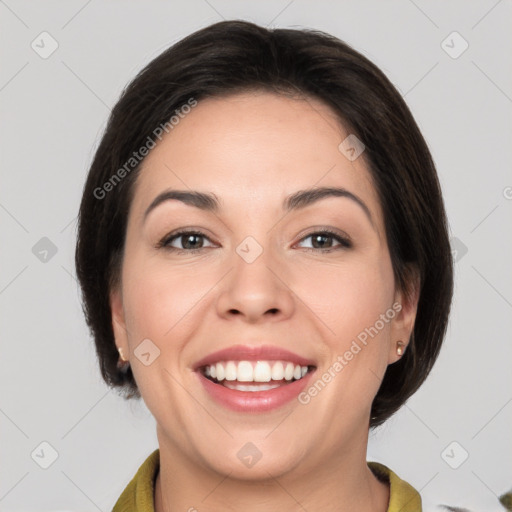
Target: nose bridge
x=254, y=288
x=253, y=262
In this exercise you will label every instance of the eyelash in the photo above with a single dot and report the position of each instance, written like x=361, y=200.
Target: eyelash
x=345, y=243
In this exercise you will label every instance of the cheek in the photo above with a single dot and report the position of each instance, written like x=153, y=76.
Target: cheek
x=161, y=303
x=348, y=297
x=350, y=300
x=159, y=298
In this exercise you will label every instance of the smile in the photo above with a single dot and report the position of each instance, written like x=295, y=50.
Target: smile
x=254, y=379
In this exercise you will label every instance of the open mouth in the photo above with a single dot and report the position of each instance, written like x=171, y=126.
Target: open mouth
x=254, y=376
x=254, y=379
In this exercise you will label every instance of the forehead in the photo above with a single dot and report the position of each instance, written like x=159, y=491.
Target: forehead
x=253, y=149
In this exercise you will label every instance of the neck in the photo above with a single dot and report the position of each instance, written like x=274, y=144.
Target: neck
x=343, y=483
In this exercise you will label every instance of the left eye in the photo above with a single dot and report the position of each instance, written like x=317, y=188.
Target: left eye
x=323, y=240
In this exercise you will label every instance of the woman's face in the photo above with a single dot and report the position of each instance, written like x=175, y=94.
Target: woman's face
x=261, y=277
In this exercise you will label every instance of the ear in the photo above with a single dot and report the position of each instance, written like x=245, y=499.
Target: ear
x=118, y=322
x=402, y=324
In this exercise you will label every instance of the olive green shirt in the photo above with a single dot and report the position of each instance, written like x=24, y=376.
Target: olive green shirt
x=139, y=493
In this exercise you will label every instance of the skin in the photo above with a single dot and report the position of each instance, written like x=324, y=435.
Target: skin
x=252, y=150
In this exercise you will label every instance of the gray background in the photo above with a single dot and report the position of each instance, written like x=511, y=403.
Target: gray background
x=53, y=111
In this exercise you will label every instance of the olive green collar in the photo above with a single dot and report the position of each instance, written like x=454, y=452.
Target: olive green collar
x=138, y=495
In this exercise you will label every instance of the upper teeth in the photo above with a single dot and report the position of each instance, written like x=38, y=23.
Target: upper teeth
x=255, y=371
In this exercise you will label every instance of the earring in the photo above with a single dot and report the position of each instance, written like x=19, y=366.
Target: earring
x=400, y=347
x=122, y=363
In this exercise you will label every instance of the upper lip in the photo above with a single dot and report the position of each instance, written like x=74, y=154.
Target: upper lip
x=253, y=353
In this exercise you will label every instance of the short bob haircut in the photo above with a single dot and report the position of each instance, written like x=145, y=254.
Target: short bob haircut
x=237, y=56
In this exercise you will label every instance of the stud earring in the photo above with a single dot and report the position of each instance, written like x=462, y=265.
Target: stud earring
x=400, y=347
x=122, y=363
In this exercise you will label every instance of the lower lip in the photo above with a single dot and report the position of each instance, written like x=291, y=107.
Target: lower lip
x=254, y=401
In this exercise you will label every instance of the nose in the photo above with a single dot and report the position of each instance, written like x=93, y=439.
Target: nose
x=256, y=292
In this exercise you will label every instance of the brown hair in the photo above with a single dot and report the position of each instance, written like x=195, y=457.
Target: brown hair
x=233, y=56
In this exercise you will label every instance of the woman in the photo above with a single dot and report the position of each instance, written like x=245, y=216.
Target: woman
x=264, y=258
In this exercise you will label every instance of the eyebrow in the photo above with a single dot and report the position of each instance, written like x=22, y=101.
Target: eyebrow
x=296, y=201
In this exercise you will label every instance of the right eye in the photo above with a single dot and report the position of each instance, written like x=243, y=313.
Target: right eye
x=190, y=241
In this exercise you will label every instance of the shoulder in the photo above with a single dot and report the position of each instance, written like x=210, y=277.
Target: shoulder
x=139, y=493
